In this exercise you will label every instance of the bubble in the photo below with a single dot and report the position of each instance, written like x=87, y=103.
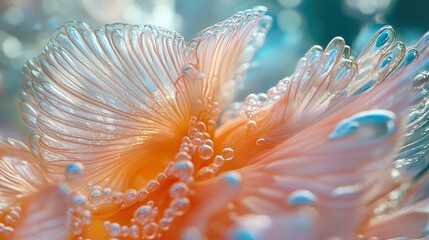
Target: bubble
x=178, y=189
x=205, y=152
x=261, y=142
x=301, y=197
x=205, y=173
x=142, y=194
x=76, y=227
x=219, y=160
x=169, y=213
x=164, y=224
x=251, y=126
x=201, y=127
x=183, y=169
x=134, y=231
x=117, y=197
x=182, y=156
x=192, y=121
x=96, y=195
x=74, y=172
x=143, y=214
x=150, y=230
x=227, y=154
x=192, y=132
x=130, y=195
x=114, y=229
x=152, y=185
x=208, y=142
x=124, y=231
x=86, y=217
x=180, y=205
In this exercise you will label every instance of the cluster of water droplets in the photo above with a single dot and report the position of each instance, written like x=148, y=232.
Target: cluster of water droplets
x=8, y=217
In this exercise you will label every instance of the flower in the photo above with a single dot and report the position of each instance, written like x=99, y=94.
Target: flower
x=126, y=140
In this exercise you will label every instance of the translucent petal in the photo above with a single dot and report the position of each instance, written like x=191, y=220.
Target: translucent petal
x=20, y=174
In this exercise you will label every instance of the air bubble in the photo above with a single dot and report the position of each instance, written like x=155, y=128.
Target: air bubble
x=205, y=152
x=76, y=227
x=117, y=197
x=208, y=142
x=150, y=230
x=192, y=132
x=261, y=142
x=178, y=189
x=169, y=213
x=182, y=156
x=130, y=196
x=227, y=154
x=134, y=231
x=142, y=194
x=251, y=126
x=205, y=173
x=180, y=205
x=86, y=217
x=219, y=160
x=143, y=214
x=114, y=229
x=74, y=172
x=96, y=195
x=124, y=231
x=164, y=224
x=152, y=185
x=201, y=127
x=183, y=169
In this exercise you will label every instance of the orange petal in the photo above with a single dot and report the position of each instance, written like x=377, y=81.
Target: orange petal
x=44, y=215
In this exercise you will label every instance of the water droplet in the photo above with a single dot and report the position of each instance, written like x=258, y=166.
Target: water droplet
x=301, y=197
x=201, y=127
x=192, y=132
x=74, y=172
x=180, y=205
x=214, y=167
x=208, y=142
x=86, y=217
x=169, y=213
x=251, y=126
x=261, y=142
x=114, y=229
x=182, y=156
x=150, y=230
x=78, y=203
x=161, y=177
x=227, y=154
x=164, y=224
x=143, y=214
x=76, y=227
x=381, y=121
x=152, y=185
x=142, y=194
x=130, y=196
x=232, y=177
x=205, y=173
x=183, y=169
x=124, y=231
x=96, y=195
x=134, y=231
x=178, y=189
x=205, y=152
x=106, y=225
x=117, y=197
x=219, y=160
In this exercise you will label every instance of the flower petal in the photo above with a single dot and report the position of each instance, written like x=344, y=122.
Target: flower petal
x=44, y=215
x=224, y=50
x=20, y=174
x=92, y=96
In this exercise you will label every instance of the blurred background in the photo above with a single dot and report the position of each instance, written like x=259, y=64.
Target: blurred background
x=26, y=26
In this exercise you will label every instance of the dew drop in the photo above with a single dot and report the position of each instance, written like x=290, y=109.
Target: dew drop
x=74, y=172
x=161, y=177
x=130, y=196
x=152, y=185
x=214, y=168
x=76, y=227
x=301, y=197
x=205, y=152
x=86, y=217
x=180, y=205
x=164, y=224
x=227, y=154
x=179, y=189
x=150, y=230
x=117, y=197
x=78, y=203
x=219, y=160
x=205, y=173
x=114, y=229
x=183, y=169
x=251, y=126
x=143, y=214
x=96, y=195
